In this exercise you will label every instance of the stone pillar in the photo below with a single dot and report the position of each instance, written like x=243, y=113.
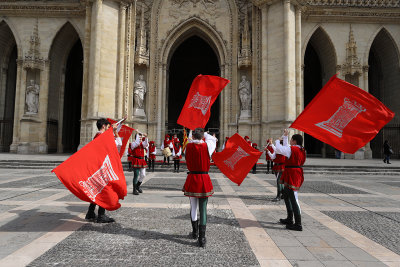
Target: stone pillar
x=299, y=76
x=264, y=70
x=121, y=61
x=160, y=106
x=19, y=105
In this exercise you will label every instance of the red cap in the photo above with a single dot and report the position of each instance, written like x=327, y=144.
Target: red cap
x=166, y=136
x=151, y=142
x=254, y=144
x=246, y=137
x=227, y=137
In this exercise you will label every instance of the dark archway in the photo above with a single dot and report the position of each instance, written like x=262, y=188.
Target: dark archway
x=383, y=83
x=319, y=66
x=8, y=78
x=65, y=91
x=192, y=57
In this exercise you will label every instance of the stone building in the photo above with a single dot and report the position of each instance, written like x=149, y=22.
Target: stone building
x=65, y=63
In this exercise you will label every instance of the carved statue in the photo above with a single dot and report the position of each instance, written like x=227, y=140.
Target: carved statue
x=245, y=94
x=139, y=91
x=32, y=97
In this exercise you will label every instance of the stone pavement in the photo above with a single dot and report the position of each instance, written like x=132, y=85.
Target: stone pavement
x=351, y=220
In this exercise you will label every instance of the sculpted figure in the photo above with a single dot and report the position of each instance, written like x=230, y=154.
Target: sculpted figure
x=245, y=94
x=139, y=91
x=32, y=97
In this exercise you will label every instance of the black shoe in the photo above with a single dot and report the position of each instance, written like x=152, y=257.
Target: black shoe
x=384, y=161
x=294, y=227
x=276, y=199
x=195, y=227
x=90, y=216
x=286, y=221
x=138, y=187
x=104, y=219
x=389, y=162
x=177, y=171
x=254, y=172
x=135, y=192
x=202, y=236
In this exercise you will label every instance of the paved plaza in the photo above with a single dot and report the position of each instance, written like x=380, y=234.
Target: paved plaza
x=348, y=220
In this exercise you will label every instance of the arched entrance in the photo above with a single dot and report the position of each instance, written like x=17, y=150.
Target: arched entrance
x=192, y=57
x=383, y=83
x=65, y=91
x=319, y=66
x=8, y=76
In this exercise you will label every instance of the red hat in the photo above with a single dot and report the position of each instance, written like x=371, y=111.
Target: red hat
x=254, y=144
x=166, y=136
x=151, y=142
x=246, y=137
x=227, y=137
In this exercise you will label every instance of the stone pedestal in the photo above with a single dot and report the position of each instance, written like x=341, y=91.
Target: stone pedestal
x=139, y=113
x=30, y=142
x=245, y=115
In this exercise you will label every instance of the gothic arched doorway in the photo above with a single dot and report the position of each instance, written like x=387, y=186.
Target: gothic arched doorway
x=8, y=77
x=383, y=83
x=65, y=91
x=319, y=66
x=192, y=57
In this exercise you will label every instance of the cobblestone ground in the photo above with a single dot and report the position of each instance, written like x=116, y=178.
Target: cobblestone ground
x=349, y=220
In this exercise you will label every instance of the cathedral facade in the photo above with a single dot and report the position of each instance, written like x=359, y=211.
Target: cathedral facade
x=66, y=63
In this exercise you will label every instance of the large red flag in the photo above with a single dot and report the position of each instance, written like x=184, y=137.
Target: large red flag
x=124, y=132
x=202, y=94
x=237, y=158
x=343, y=116
x=94, y=173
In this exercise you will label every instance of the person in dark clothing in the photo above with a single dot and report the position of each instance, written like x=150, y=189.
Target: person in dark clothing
x=387, y=151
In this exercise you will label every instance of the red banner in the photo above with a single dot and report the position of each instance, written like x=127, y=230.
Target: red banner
x=202, y=95
x=94, y=173
x=124, y=132
x=343, y=116
x=237, y=159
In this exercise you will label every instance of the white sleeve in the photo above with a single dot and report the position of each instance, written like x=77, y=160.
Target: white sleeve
x=136, y=143
x=285, y=141
x=211, y=142
x=171, y=146
x=190, y=137
x=273, y=155
x=180, y=152
x=118, y=142
x=173, y=152
x=155, y=151
x=283, y=150
x=146, y=143
x=162, y=145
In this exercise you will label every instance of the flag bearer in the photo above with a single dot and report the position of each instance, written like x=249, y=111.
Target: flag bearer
x=139, y=163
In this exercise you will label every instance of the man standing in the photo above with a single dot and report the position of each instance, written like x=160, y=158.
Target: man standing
x=278, y=166
x=198, y=186
x=176, y=154
x=166, y=148
x=151, y=155
x=103, y=125
x=139, y=163
x=292, y=177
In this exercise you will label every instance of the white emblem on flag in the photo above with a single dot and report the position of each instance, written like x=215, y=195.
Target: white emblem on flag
x=342, y=117
x=201, y=102
x=96, y=183
x=238, y=155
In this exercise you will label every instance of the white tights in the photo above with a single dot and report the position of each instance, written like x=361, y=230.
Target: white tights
x=194, y=205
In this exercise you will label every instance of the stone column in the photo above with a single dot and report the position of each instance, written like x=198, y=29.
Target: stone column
x=299, y=77
x=121, y=61
x=264, y=65
x=289, y=76
x=17, y=111
x=160, y=106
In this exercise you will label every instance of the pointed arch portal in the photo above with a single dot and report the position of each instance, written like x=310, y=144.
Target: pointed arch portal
x=192, y=57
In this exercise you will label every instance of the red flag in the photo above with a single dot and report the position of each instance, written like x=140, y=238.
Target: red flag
x=202, y=94
x=124, y=132
x=237, y=159
x=94, y=173
x=343, y=116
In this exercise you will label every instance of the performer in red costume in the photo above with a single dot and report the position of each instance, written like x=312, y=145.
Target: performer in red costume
x=139, y=163
x=151, y=155
x=103, y=125
x=254, y=145
x=224, y=144
x=278, y=167
x=176, y=154
x=130, y=157
x=267, y=157
x=247, y=139
x=292, y=177
x=166, y=148
x=198, y=186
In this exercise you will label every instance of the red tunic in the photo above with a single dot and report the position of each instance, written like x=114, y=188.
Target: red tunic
x=293, y=176
x=130, y=153
x=198, y=159
x=176, y=151
x=151, y=150
x=279, y=163
x=271, y=150
x=138, y=157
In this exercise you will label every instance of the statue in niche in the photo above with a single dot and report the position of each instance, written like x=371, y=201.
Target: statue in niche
x=245, y=94
x=139, y=92
x=32, y=97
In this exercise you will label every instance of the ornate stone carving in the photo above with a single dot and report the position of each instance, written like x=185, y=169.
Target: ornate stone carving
x=33, y=59
x=354, y=3
x=245, y=98
x=352, y=65
x=139, y=91
x=32, y=98
x=47, y=8
x=244, y=59
x=208, y=8
x=142, y=53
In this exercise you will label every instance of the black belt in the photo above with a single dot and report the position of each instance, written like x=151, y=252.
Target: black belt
x=138, y=157
x=293, y=167
x=194, y=172
x=278, y=164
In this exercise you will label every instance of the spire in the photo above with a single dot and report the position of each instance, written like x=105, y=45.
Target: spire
x=142, y=54
x=352, y=65
x=245, y=52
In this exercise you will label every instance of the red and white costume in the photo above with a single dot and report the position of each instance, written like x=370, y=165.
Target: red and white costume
x=138, y=148
x=151, y=151
x=118, y=141
x=198, y=153
x=278, y=159
x=293, y=176
x=177, y=151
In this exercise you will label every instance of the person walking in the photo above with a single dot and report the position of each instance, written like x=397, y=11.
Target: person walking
x=387, y=152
